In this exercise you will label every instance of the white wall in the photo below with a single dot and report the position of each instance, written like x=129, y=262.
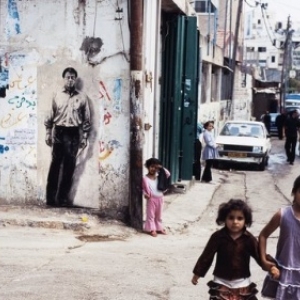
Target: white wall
x=152, y=88
x=38, y=40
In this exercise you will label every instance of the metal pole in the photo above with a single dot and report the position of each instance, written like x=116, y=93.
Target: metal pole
x=284, y=67
x=136, y=108
x=235, y=46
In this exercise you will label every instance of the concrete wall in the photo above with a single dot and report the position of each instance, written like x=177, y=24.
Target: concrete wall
x=152, y=59
x=38, y=40
x=242, y=97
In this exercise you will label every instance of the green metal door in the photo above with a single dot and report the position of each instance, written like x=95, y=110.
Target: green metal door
x=179, y=95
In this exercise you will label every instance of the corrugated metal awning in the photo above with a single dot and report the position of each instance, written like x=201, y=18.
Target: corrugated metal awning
x=265, y=90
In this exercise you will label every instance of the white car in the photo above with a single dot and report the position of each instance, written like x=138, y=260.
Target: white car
x=244, y=142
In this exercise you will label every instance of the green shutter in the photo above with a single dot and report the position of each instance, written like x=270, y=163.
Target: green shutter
x=179, y=95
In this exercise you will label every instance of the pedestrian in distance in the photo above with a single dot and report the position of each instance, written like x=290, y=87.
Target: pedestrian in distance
x=279, y=122
x=291, y=127
x=284, y=283
x=209, y=152
x=154, y=197
x=267, y=120
x=67, y=127
x=234, y=245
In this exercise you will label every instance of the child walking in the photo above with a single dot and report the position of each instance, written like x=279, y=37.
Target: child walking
x=154, y=196
x=234, y=245
x=287, y=257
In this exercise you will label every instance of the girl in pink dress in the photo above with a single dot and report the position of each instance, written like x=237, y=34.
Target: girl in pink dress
x=154, y=196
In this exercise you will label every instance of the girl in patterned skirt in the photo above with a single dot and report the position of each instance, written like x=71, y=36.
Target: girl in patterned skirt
x=233, y=245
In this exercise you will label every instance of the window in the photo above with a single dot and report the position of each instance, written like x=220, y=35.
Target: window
x=250, y=49
x=262, y=49
x=273, y=59
x=258, y=21
x=204, y=6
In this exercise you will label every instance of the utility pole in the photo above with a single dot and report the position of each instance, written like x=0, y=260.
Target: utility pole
x=234, y=52
x=285, y=64
x=136, y=109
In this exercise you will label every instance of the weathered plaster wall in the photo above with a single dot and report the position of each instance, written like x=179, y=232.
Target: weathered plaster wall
x=151, y=87
x=39, y=39
x=242, y=96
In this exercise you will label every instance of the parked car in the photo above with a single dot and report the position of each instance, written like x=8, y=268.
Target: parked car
x=290, y=108
x=273, y=126
x=244, y=142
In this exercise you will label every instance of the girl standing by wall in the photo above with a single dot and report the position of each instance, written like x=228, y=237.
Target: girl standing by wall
x=154, y=196
x=209, y=152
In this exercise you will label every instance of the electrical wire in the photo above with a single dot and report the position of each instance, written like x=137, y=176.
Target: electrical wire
x=122, y=36
x=251, y=5
x=267, y=28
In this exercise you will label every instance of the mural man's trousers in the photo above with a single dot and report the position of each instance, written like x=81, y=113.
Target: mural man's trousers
x=60, y=176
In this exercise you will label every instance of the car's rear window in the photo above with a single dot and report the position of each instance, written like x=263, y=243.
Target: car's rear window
x=249, y=130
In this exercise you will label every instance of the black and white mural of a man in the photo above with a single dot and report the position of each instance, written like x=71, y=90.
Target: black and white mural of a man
x=68, y=125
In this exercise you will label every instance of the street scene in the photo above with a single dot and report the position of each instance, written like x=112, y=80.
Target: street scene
x=149, y=149
x=111, y=261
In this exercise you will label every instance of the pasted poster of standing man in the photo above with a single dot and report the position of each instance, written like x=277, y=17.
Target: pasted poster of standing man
x=68, y=125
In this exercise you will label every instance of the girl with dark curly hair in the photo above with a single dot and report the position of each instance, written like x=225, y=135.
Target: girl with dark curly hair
x=233, y=245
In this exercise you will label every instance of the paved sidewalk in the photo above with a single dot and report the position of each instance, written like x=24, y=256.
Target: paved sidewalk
x=181, y=209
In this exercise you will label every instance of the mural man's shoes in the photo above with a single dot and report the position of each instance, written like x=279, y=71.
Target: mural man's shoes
x=52, y=204
x=65, y=204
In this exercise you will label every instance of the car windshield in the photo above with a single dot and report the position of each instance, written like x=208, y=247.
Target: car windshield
x=249, y=130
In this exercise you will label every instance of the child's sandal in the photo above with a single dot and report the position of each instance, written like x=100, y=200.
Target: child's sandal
x=153, y=233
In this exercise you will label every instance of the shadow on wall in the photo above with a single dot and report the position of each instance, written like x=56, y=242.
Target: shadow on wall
x=84, y=154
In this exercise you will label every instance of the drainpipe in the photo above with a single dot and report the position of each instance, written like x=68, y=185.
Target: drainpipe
x=136, y=116
x=234, y=52
x=156, y=85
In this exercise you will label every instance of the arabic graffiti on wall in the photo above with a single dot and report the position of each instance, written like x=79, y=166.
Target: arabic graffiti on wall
x=22, y=136
x=12, y=118
x=18, y=121
x=106, y=106
x=22, y=84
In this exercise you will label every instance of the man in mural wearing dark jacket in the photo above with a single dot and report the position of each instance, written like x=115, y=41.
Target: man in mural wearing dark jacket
x=67, y=128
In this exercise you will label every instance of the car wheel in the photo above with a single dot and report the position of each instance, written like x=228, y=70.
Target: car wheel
x=262, y=165
x=267, y=161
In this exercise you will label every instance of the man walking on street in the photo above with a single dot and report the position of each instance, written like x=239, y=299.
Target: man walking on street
x=267, y=121
x=291, y=126
x=279, y=122
x=67, y=128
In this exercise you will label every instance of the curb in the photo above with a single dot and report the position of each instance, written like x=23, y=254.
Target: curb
x=182, y=208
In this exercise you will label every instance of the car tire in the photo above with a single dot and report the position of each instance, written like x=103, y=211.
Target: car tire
x=267, y=161
x=262, y=165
